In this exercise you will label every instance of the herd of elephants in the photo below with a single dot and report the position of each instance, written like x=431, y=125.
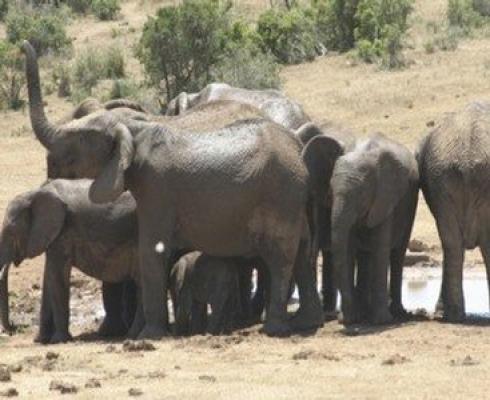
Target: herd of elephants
x=234, y=189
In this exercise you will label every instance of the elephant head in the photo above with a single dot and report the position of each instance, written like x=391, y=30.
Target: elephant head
x=32, y=221
x=94, y=146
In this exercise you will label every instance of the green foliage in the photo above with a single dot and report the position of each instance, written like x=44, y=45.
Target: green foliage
x=93, y=65
x=248, y=69
x=289, y=34
x=446, y=39
x=61, y=76
x=482, y=7
x=124, y=88
x=45, y=31
x=12, y=76
x=335, y=22
x=106, y=9
x=180, y=44
x=4, y=8
x=79, y=6
x=461, y=14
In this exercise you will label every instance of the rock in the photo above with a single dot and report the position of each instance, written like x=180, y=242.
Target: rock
x=417, y=246
x=135, y=392
x=51, y=355
x=110, y=349
x=395, y=359
x=93, y=384
x=139, y=345
x=207, y=378
x=15, y=368
x=5, y=375
x=415, y=258
x=63, y=387
x=303, y=355
x=10, y=392
x=430, y=124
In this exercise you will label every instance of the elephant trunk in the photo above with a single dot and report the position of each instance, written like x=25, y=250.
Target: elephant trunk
x=44, y=130
x=4, y=301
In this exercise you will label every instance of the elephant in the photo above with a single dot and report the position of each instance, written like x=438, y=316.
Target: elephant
x=274, y=104
x=197, y=280
x=58, y=219
x=374, y=188
x=236, y=191
x=454, y=168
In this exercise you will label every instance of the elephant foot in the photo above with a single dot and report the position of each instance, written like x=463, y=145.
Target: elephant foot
x=330, y=315
x=153, y=333
x=381, y=316
x=349, y=315
x=112, y=328
x=276, y=328
x=398, y=312
x=60, y=337
x=454, y=314
x=6, y=331
x=307, y=319
x=42, y=339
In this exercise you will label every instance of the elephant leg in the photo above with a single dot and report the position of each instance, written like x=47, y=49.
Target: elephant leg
x=363, y=295
x=5, y=326
x=218, y=310
x=485, y=251
x=58, y=279
x=112, y=297
x=452, y=273
x=154, y=260
x=396, y=279
x=138, y=321
x=280, y=265
x=245, y=290
x=199, y=318
x=46, y=322
x=379, y=313
x=260, y=299
x=129, y=302
x=310, y=313
x=329, y=286
x=350, y=308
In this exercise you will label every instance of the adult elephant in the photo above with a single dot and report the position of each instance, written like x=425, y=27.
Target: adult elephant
x=236, y=191
x=454, y=168
x=375, y=190
x=274, y=104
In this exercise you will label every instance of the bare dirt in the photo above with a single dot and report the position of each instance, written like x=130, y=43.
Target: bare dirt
x=418, y=359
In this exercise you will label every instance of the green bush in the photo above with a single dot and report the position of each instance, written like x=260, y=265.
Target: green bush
x=93, y=65
x=461, y=14
x=45, y=31
x=79, y=6
x=4, y=8
x=124, y=88
x=247, y=69
x=61, y=76
x=482, y=7
x=289, y=34
x=106, y=9
x=335, y=22
x=180, y=45
x=12, y=76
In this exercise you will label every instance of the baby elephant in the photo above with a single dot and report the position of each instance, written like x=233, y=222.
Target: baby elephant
x=198, y=280
x=58, y=219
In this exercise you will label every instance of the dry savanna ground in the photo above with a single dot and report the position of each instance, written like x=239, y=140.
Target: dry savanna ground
x=419, y=359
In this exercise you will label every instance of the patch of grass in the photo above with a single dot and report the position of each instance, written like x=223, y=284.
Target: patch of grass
x=106, y=10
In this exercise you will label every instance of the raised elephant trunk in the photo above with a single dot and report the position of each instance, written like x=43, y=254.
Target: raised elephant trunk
x=4, y=301
x=44, y=130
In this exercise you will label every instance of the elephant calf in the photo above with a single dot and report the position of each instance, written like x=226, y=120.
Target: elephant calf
x=197, y=280
x=375, y=191
x=58, y=219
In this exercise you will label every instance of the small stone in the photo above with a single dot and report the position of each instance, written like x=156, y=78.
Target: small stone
x=5, y=375
x=51, y=355
x=430, y=124
x=207, y=378
x=15, y=368
x=63, y=387
x=93, y=384
x=468, y=361
x=110, y=349
x=303, y=355
x=395, y=359
x=140, y=345
x=135, y=392
x=10, y=392
x=157, y=375
x=36, y=286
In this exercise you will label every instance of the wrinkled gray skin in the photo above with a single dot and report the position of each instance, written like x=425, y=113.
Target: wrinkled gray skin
x=374, y=190
x=454, y=168
x=59, y=219
x=275, y=105
x=197, y=280
x=238, y=191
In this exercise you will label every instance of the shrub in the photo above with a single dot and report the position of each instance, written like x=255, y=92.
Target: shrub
x=180, y=44
x=244, y=68
x=79, y=6
x=123, y=88
x=105, y=9
x=482, y=7
x=46, y=32
x=62, y=79
x=12, y=76
x=93, y=65
x=461, y=14
x=289, y=34
x=4, y=8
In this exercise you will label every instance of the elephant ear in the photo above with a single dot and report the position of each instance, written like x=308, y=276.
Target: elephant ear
x=109, y=185
x=319, y=156
x=391, y=185
x=307, y=131
x=47, y=218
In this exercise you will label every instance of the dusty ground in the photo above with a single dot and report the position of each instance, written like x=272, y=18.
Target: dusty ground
x=419, y=359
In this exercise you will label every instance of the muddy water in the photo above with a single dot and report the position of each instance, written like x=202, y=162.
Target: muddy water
x=424, y=292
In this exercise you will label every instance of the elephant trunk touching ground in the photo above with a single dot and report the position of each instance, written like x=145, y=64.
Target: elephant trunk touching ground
x=5, y=326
